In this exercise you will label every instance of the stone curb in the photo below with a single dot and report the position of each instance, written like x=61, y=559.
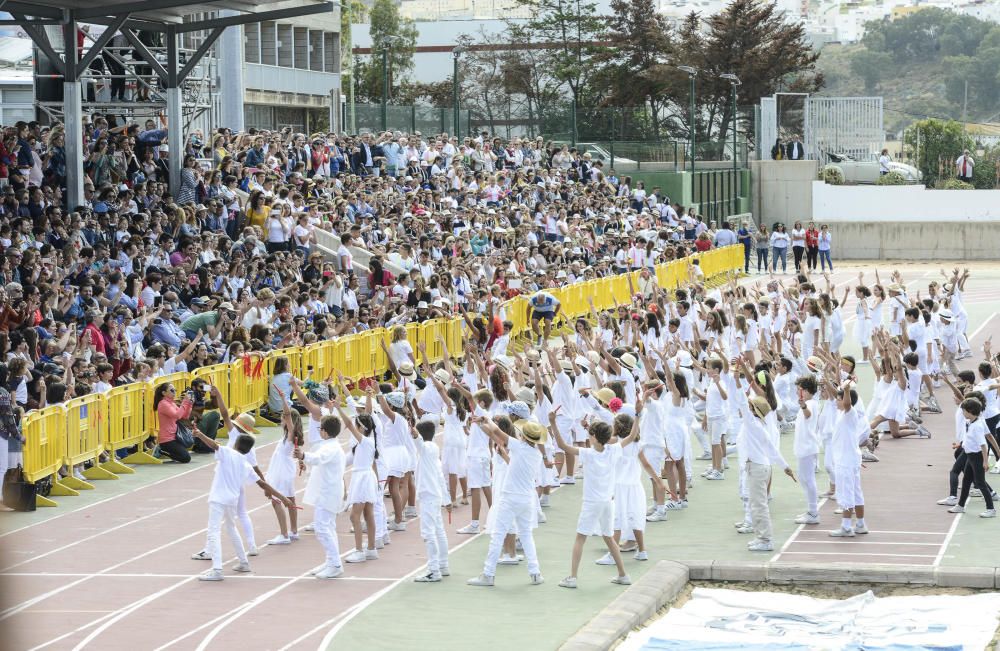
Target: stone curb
x=661, y=585
x=655, y=589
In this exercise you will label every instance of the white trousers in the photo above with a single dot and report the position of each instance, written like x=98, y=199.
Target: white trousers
x=246, y=524
x=326, y=533
x=219, y=516
x=757, y=477
x=435, y=538
x=514, y=515
x=807, y=480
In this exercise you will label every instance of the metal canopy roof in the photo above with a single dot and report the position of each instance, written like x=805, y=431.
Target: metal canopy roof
x=156, y=15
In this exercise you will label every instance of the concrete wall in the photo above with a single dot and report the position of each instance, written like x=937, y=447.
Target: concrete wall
x=896, y=203
x=782, y=190
x=942, y=240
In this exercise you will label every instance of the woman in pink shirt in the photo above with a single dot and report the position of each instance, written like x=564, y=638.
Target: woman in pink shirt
x=168, y=413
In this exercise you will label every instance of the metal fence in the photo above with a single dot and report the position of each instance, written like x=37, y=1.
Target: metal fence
x=717, y=192
x=841, y=125
x=426, y=119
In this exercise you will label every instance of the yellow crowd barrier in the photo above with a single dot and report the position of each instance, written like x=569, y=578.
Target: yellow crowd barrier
x=85, y=428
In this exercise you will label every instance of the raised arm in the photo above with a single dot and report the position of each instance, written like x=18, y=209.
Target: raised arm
x=565, y=447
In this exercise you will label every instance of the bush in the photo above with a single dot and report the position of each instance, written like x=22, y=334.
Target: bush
x=833, y=176
x=954, y=184
x=892, y=178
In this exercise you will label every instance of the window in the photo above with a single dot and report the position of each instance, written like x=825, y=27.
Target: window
x=251, y=42
x=268, y=44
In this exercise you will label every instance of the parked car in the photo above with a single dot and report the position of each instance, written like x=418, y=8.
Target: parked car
x=599, y=153
x=866, y=170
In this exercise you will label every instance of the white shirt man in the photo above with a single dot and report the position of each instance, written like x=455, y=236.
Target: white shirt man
x=964, y=166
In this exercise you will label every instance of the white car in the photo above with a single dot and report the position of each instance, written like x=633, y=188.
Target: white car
x=599, y=153
x=866, y=170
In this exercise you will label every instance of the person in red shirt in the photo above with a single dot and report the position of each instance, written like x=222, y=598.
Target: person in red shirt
x=812, y=245
x=703, y=243
x=92, y=334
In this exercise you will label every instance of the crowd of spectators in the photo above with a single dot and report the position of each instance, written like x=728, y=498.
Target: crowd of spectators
x=144, y=279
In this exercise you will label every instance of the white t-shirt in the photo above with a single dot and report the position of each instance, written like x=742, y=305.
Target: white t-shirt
x=599, y=483
x=232, y=473
x=524, y=463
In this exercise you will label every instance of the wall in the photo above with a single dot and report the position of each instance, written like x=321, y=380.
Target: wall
x=911, y=203
x=942, y=240
x=782, y=191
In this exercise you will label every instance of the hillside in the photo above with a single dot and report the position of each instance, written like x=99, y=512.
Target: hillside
x=911, y=90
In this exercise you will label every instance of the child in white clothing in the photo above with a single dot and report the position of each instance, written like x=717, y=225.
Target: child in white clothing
x=232, y=472
x=325, y=492
x=431, y=495
x=597, y=511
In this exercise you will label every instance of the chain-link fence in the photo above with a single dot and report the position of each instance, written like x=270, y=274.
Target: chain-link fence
x=409, y=119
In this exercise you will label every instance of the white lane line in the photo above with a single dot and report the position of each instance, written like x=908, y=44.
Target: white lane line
x=901, y=533
x=795, y=533
x=858, y=541
x=235, y=577
x=861, y=554
x=947, y=539
x=115, y=497
x=981, y=326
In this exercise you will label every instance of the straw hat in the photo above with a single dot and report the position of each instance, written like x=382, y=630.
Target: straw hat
x=443, y=376
x=245, y=423
x=604, y=395
x=628, y=360
x=814, y=363
x=532, y=355
x=945, y=314
x=525, y=395
x=533, y=432
x=504, y=362
x=760, y=406
x=405, y=370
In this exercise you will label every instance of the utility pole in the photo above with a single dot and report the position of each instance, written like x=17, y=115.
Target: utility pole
x=691, y=73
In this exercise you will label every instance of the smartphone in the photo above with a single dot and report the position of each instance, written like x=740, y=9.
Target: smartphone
x=158, y=301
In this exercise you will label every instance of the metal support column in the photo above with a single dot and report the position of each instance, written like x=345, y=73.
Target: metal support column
x=72, y=116
x=175, y=115
x=231, y=74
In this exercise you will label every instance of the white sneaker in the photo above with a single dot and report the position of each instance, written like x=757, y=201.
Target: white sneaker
x=356, y=556
x=651, y=510
x=860, y=529
x=838, y=511
x=482, y=580
x=745, y=529
x=988, y=513
x=253, y=551
x=202, y=556
x=715, y=475
x=293, y=536
x=704, y=456
x=396, y=526
x=951, y=500
x=673, y=505
x=444, y=570
x=708, y=472
x=379, y=544
x=807, y=518
x=542, y=518
x=624, y=579
x=605, y=560
x=568, y=582
x=211, y=575
x=657, y=516
x=537, y=579
x=975, y=492
x=742, y=523
x=725, y=463
x=923, y=432
x=957, y=509
x=430, y=577
x=544, y=501
x=995, y=470
x=868, y=456
x=330, y=572
x=760, y=546
x=386, y=540
x=279, y=540
x=567, y=481
x=842, y=533
x=641, y=556
x=241, y=567
x=508, y=560
x=371, y=554
x=469, y=528
x=309, y=527
x=410, y=512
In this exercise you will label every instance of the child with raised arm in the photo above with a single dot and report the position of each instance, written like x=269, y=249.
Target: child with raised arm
x=806, y=445
x=432, y=494
x=281, y=474
x=846, y=456
x=363, y=491
x=232, y=472
x=597, y=510
x=325, y=492
x=517, y=502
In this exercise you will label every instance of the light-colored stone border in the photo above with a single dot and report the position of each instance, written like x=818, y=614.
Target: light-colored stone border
x=661, y=585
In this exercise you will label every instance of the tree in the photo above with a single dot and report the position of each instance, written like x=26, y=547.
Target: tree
x=389, y=31
x=871, y=65
x=940, y=143
x=631, y=72
x=572, y=27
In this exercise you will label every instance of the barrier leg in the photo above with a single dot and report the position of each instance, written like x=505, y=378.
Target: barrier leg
x=99, y=472
x=140, y=456
x=74, y=483
x=115, y=466
x=61, y=488
x=44, y=501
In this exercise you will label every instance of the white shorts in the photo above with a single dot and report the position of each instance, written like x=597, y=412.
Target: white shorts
x=596, y=519
x=630, y=507
x=922, y=363
x=716, y=428
x=478, y=470
x=848, y=480
x=655, y=455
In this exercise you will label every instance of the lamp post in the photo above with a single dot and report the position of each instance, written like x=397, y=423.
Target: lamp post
x=385, y=81
x=691, y=73
x=734, y=81
x=456, y=53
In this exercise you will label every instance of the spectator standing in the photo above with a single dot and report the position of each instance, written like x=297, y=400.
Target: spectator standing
x=883, y=162
x=746, y=239
x=812, y=246
x=964, y=167
x=825, y=239
x=779, y=248
x=798, y=244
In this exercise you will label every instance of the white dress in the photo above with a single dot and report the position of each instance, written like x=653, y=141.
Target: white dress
x=863, y=324
x=893, y=404
x=364, y=483
x=453, y=457
x=281, y=471
x=630, y=497
x=674, y=422
x=392, y=449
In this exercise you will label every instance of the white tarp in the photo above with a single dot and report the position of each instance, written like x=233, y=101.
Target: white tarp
x=758, y=621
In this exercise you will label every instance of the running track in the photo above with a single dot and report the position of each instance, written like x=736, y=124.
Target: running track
x=117, y=575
